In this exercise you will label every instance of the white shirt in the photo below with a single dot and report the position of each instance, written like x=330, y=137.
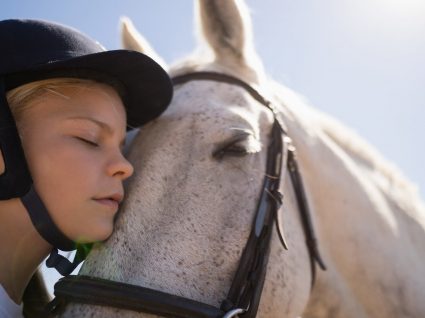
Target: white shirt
x=8, y=308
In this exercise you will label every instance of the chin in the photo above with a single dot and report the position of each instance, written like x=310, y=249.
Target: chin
x=96, y=233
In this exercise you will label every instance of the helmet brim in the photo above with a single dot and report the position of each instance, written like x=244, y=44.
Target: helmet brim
x=145, y=87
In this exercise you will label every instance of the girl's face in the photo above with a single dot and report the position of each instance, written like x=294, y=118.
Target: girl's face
x=73, y=139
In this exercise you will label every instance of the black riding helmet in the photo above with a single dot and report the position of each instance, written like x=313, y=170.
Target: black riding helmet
x=32, y=50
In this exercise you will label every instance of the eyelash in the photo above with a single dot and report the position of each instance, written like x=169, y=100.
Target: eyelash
x=233, y=149
x=89, y=142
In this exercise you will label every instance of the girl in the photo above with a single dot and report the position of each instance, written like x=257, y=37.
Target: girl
x=65, y=106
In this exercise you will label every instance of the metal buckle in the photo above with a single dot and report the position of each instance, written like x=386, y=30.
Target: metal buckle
x=234, y=312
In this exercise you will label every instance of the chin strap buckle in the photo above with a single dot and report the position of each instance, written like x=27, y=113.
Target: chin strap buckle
x=62, y=264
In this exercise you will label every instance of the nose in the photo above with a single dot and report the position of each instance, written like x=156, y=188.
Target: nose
x=120, y=167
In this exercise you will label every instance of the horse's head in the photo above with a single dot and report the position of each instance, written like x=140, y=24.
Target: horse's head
x=199, y=171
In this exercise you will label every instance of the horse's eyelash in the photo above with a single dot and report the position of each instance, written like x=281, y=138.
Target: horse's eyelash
x=232, y=146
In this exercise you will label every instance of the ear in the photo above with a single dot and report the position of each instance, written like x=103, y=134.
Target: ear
x=226, y=26
x=131, y=39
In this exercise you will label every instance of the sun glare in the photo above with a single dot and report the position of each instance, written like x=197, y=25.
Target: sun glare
x=403, y=6
x=394, y=20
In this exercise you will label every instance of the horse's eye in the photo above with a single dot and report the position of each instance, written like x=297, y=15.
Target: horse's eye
x=240, y=145
x=233, y=150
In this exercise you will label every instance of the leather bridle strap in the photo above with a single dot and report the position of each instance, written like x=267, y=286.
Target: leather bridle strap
x=224, y=78
x=244, y=295
x=291, y=159
x=97, y=291
x=301, y=197
x=247, y=285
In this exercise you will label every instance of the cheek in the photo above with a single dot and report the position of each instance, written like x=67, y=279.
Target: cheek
x=63, y=166
x=67, y=179
x=59, y=169
x=61, y=174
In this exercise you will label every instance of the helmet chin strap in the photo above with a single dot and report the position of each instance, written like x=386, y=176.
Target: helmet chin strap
x=62, y=264
x=45, y=226
x=16, y=182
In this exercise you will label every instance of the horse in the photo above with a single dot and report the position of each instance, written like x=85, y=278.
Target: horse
x=199, y=171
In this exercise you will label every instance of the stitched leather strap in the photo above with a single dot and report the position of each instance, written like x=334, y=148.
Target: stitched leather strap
x=97, y=291
x=247, y=285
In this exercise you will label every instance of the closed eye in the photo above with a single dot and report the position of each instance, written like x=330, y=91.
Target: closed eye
x=242, y=144
x=86, y=141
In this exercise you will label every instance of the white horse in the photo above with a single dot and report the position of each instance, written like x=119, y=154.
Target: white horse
x=187, y=214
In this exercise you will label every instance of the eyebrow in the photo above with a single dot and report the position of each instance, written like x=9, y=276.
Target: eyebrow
x=101, y=124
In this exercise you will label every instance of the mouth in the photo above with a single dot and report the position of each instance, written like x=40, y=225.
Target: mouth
x=112, y=201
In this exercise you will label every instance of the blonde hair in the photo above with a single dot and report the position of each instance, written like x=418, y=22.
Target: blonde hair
x=20, y=97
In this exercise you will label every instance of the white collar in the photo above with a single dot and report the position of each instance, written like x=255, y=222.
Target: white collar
x=8, y=308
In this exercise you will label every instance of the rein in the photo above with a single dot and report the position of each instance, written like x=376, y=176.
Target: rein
x=244, y=294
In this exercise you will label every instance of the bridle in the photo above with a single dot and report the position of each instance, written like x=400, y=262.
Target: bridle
x=245, y=292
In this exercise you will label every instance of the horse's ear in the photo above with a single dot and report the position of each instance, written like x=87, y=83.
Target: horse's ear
x=226, y=26
x=131, y=39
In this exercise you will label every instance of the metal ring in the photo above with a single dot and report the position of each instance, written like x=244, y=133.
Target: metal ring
x=234, y=312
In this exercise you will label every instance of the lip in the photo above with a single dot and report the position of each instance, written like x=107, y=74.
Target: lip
x=112, y=201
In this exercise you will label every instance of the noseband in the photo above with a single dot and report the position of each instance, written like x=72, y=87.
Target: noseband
x=245, y=292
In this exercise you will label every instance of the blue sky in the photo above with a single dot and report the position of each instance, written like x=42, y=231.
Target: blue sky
x=361, y=61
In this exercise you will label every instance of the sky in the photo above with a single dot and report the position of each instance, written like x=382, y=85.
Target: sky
x=361, y=61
